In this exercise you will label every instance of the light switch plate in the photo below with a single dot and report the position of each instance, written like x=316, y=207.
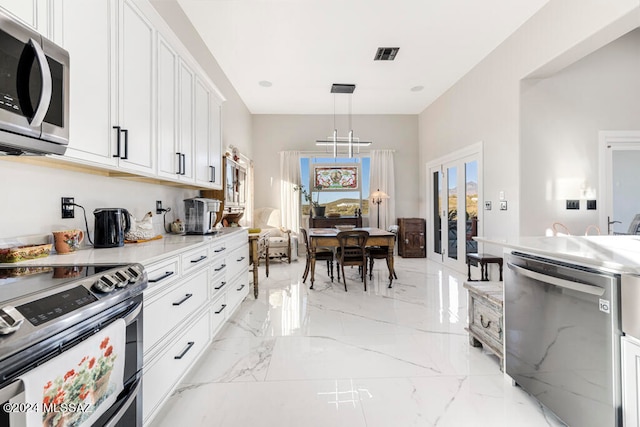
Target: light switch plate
x=503, y=205
x=573, y=204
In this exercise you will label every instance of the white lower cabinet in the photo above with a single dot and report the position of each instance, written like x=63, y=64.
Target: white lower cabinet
x=189, y=298
x=631, y=381
x=168, y=367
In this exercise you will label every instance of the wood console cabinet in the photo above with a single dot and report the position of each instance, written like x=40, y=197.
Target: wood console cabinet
x=411, y=237
x=329, y=222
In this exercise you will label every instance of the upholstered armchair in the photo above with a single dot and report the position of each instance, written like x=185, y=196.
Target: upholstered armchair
x=282, y=242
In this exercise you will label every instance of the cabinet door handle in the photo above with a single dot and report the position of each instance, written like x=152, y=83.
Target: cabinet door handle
x=213, y=173
x=179, y=164
x=220, y=268
x=202, y=258
x=126, y=144
x=240, y=259
x=184, y=164
x=240, y=288
x=117, y=128
x=221, y=308
x=220, y=250
x=164, y=276
x=186, y=297
x=221, y=285
x=185, y=351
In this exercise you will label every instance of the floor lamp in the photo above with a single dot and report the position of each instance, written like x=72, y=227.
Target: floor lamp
x=376, y=198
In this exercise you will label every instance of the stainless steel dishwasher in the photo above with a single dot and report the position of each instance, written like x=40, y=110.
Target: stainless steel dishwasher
x=562, y=340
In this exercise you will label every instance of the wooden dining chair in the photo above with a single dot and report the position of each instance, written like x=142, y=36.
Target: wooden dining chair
x=353, y=251
x=381, y=252
x=325, y=254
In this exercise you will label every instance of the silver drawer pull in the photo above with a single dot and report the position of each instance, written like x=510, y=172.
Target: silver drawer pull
x=240, y=259
x=164, y=276
x=240, y=288
x=186, y=297
x=220, y=250
x=202, y=258
x=221, y=308
x=185, y=351
x=221, y=267
x=221, y=285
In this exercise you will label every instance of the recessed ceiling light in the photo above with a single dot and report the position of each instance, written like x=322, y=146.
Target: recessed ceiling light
x=417, y=88
x=265, y=83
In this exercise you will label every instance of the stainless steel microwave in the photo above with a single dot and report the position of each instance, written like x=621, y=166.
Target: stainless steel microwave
x=34, y=92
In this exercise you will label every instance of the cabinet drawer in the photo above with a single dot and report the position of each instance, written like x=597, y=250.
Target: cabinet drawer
x=162, y=273
x=219, y=310
x=238, y=290
x=486, y=319
x=218, y=284
x=164, y=312
x=160, y=378
x=195, y=259
x=219, y=247
x=238, y=260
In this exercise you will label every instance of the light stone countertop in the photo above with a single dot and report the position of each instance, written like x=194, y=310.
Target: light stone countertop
x=619, y=254
x=145, y=253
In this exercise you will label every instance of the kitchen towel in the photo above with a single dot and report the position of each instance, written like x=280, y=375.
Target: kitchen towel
x=76, y=387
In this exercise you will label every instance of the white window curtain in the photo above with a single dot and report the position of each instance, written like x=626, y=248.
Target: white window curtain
x=290, y=199
x=381, y=176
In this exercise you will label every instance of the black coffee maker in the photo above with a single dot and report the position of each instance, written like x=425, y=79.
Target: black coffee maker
x=110, y=226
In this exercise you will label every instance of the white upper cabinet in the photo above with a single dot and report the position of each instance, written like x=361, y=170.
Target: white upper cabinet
x=168, y=160
x=33, y=13
x=90, y=103
x=135, y=89
x=207, y=140
x=139, y=102
x=112, y=95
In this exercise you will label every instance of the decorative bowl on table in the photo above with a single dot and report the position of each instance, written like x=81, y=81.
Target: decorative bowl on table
x=345, y=227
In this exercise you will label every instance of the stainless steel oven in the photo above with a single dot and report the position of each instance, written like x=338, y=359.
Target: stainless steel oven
x=48, y=311
x=562, y=339
x=34, y=91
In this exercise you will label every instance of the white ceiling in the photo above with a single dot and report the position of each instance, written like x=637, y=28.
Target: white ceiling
x=303, y=46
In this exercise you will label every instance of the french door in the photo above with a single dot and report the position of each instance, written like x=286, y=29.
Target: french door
x=620, y=159
x=453, y=212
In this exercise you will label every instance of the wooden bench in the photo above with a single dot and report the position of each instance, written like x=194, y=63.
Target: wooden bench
x=483, y=260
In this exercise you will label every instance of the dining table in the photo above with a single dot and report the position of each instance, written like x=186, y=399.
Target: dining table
x=328, y=237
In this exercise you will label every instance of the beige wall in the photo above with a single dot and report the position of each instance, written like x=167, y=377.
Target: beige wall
x=275, y=133
x=485, y=104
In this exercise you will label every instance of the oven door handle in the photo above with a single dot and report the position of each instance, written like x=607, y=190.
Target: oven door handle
x=576, y=286
x=125, y=406
x=129, y=317
x=11, y=391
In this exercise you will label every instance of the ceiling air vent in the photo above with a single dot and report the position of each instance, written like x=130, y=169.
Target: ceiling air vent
x=342, y=88
x=386, y=53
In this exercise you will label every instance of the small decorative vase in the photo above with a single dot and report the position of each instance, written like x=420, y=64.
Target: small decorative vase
x=318, y=211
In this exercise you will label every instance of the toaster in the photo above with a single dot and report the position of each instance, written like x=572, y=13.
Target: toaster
x=200, y=215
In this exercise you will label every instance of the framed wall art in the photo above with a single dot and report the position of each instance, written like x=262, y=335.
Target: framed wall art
x=336, y=177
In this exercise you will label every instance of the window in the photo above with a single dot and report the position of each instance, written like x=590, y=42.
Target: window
x=344, y=202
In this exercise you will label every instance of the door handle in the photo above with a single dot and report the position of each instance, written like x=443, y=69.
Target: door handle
x=576, y=286
x=126, y=144
x=45, y=94
x=213, y=173
x=186, y=297
x=164, y=276
x=179, y=164
x=117, y=128
x=185, y=351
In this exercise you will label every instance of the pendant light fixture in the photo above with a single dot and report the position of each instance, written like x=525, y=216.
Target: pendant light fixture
x=335, y=141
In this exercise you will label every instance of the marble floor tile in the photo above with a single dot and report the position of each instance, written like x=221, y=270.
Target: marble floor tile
x=325, y=357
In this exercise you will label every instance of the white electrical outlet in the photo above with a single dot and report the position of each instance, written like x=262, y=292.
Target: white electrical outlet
x=487, y=206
